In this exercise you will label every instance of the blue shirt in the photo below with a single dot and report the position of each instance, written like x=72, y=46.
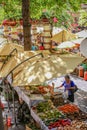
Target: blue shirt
x=66, y=86
x=33, y=48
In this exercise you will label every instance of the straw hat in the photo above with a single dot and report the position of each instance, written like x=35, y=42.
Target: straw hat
x=83, y=47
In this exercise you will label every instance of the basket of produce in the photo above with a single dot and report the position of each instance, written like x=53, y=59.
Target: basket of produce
x=57, y=99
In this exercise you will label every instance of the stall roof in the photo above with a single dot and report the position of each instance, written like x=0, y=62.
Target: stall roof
x=18, y=58
x=82, y=34
x=67, y=44
x=8, y=47
x=63, y=36
x=78, y=41
x=48, y=68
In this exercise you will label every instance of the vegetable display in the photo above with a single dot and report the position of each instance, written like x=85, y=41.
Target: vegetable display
x=81, y=116
x=51, y=116
x=44, y=106
x=75, y=125
x=48, y=113
x=59, y=123
x=69, y=108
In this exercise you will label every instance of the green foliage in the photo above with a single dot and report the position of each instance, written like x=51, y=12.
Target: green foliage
x=12, y=9
x=83, y=18
x=2, y=14
x=54, y=8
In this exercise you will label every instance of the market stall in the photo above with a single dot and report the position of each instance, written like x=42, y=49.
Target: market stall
x=39, y=97
x=63, y=36
x=81, y=70
x=47, y=115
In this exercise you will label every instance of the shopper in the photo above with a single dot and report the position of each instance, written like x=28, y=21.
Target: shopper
x=23, y=114
x=69, y=85
x=34, y=47
x=41, y=47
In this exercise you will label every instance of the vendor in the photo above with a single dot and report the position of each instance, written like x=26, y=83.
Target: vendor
x=23, y=113
x=69, y=85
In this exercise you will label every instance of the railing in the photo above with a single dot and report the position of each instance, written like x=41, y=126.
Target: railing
x=11, y=72
x=7, y=57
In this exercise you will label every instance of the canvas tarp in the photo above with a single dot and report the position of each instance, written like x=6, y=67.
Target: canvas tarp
x=67, y=44
x=48, y=68
x=82, y=34
x=18, y=58
x=8, y=47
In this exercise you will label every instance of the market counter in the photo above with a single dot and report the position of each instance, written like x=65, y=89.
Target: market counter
x=36, y=116
x=33, y=114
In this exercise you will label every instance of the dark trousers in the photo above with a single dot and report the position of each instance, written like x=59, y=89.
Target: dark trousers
x=71, y=98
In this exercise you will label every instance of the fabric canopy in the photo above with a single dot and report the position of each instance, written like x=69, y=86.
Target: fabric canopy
x=17, y=59
x=2, y=40
x=82, y=34
x=8, y=47
x=45, y=69
x=67, y=44
x=63, y=36
x=77, y=41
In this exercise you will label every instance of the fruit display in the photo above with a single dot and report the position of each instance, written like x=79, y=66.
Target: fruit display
x=43, y=89
x=69, y=108
x=63, y=122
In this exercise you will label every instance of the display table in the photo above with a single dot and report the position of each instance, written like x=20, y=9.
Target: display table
x=33, y=114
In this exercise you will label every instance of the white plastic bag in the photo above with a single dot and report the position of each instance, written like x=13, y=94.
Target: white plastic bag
x=65, y=95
